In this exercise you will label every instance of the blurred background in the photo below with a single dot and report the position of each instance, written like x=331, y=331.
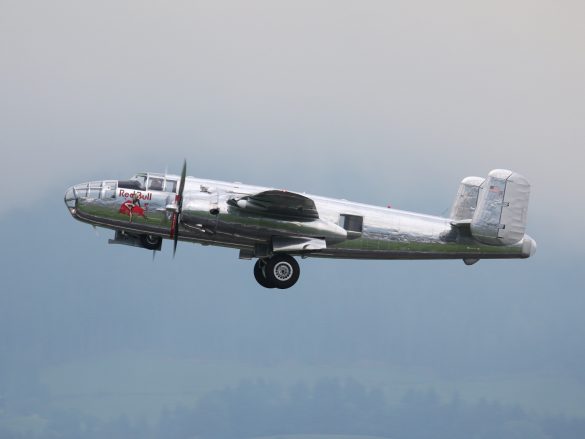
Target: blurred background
x=383, y=102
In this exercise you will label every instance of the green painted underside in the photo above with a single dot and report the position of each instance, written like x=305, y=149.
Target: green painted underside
x=110, y=211
x=469, y=246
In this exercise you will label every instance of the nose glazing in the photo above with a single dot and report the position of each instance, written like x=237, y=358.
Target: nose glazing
x=70, y=197
x=92, y=189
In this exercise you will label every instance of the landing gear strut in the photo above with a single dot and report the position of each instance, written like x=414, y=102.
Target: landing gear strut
x=280, y=271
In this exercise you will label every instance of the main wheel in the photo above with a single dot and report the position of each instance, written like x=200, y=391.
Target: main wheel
x=151, y=242
x=259, y=269
x=282, y=271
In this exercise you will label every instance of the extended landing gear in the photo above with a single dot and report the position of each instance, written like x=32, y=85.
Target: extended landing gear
x=279, y=271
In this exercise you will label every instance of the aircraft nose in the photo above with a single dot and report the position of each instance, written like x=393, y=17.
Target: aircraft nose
x=70, y=198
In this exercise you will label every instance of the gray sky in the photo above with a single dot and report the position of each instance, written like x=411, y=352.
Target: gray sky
x=376, y=101
x=398, y=99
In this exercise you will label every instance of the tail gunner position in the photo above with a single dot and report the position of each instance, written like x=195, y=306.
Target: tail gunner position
x=487, y=221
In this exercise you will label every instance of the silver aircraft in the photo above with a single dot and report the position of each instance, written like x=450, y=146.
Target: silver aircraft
x=487, y=221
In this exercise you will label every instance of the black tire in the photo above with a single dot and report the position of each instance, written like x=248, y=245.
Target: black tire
x=151, y=242
x=282, y=271
x=259, y=267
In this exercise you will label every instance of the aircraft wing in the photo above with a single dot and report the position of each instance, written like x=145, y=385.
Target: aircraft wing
x=278, y=204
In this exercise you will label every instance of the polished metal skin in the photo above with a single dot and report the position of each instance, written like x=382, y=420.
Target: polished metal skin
x=264, y=223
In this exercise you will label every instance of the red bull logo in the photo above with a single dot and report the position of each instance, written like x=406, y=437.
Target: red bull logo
x=135, y=195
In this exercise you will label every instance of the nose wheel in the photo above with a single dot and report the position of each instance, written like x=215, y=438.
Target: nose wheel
x=280, y=271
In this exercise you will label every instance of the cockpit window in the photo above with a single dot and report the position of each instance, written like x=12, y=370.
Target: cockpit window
x=155, y=184
x=131, y=184
x=141, y=178
x=171, y=186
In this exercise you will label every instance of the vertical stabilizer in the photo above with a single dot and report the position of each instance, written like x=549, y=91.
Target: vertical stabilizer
x=466, y=199
x=502, y=206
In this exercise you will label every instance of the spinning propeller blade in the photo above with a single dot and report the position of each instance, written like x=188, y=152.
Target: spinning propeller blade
x=177, y=216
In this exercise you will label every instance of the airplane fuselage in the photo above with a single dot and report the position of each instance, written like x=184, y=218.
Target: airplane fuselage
x=210, y=217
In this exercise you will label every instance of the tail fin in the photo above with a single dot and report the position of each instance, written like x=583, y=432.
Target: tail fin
x=466, y=199
x=502, y=207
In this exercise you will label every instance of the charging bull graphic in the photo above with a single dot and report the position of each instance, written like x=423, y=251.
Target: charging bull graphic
x=132, y=207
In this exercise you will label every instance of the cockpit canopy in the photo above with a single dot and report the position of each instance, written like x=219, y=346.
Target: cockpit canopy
x=150, y=182
x=107, y=189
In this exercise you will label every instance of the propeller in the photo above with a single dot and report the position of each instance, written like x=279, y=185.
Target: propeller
x=177, y=214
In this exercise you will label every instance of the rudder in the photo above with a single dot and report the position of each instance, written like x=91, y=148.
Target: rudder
x=502, y=207
x=466, y=199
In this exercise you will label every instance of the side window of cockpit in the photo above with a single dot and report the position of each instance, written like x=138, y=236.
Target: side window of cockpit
x=131, y=184
x=171, y=186
x=155, y=184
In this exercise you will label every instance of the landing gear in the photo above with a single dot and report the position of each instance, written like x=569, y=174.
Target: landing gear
x=280, y=271
x=259, y=269
x=151, y=242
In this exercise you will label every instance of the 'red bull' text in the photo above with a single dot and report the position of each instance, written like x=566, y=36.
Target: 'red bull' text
x=139, y=195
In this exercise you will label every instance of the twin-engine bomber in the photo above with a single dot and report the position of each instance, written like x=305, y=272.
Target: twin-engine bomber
x=487, y=221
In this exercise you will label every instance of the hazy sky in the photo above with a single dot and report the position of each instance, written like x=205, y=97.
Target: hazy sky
x=375, y=101
x=379, y=100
